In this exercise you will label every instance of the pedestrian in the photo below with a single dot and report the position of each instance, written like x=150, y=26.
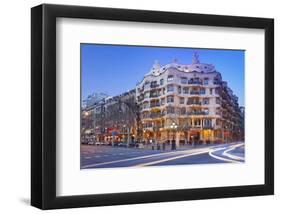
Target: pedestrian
x=163, y=145
x=158, y=146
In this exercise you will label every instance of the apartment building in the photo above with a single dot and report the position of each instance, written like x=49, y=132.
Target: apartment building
x=188, y=103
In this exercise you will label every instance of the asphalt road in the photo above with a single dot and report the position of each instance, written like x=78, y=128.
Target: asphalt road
x=109, y=157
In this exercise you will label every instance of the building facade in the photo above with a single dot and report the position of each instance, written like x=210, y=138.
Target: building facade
x=188, y=103
x=89, y=109
x=111, y=119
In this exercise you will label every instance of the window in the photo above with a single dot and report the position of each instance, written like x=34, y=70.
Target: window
x=161, y=81
x=205, y=111
x=179, y=89
x=146, y=94
x=170, y=78
x=217, y=122
x=195, y=91
x=183, y=111
x=195, y=81
x=140, y=98
x=170, y=88
x=185, y=90
x=153, y=93
x=153, y=84
x=206, y=81
x=181, y=100
x=216, y=91
x=218, y=112
x=163, y=101
x=145, y=105
x=183, y=80
x=216, y=81
x=211, y=91
x=218, y=101
x=170, y=99
x=208, y=122
x=197, y=122
x=206, y=101
x=170, y=110
x=202, y=91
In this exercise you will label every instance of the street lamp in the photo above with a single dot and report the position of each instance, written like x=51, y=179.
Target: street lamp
x=174, y=127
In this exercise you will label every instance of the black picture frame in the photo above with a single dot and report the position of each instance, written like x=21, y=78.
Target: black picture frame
x=43, y=106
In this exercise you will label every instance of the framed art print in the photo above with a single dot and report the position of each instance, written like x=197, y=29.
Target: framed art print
x=133, y=106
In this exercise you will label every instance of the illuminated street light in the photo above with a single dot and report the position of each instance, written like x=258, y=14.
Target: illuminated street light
x=174, y=126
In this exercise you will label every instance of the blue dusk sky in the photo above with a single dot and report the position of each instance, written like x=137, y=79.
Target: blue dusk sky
x=114, y=69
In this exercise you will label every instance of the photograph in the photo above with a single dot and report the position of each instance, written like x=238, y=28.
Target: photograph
x=137, y=106
x=159, y=106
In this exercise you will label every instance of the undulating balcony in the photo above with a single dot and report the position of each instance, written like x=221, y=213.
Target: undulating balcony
x=154, y=95
x=153, y=105
x=195, y=82
x=154, y=85
x=195, y=92
x=194, y=103
x=194, y=113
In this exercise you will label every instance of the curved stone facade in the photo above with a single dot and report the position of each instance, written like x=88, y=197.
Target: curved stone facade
x=188, y=103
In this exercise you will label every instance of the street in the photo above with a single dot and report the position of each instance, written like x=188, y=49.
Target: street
x=110, y=157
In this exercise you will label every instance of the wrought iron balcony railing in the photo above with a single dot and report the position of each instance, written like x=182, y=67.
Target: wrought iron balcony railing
x=192, y=82
x=194, y=103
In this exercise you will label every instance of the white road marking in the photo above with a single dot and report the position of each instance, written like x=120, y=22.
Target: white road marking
x=221, y=158
x=141, y=157
x=169, y=159
x=225, y=153
x=124, y=160
x=181, y=154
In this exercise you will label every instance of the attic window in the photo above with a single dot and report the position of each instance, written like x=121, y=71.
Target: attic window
x=170, y=78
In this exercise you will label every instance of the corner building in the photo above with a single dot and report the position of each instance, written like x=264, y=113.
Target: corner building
x=188, y=103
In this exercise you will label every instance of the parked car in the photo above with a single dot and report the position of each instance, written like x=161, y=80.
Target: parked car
x=122, y=144
x=91, y=142
x=97, y=143
x=107, y=143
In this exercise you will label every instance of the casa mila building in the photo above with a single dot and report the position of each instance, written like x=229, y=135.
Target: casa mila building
x=188, y=103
